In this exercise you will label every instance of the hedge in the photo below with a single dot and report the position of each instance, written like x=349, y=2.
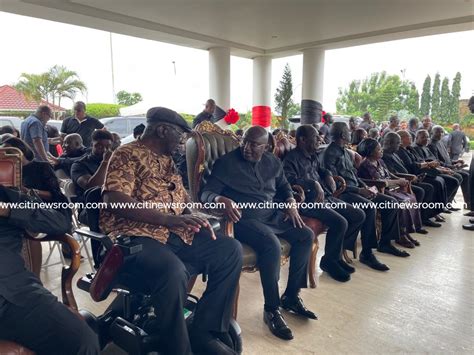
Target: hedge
x=99, y=110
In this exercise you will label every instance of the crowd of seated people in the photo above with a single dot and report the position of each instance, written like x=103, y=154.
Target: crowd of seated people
x=177, y=244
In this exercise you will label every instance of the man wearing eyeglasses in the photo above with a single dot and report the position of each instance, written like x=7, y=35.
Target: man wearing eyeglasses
x=81, y=123
x=249, y=174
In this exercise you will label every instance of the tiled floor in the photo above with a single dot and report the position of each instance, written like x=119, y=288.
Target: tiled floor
x=424, y=304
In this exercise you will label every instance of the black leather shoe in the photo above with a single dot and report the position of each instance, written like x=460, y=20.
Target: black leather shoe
x=334, y=270
x=439, y=218
x=471, y=220
x=346, y=266
x=454, y=209
x=445, y=210
x=372, y=262
x=413, y=240
x=390, y=249
x=277, y=325
x=297, y=306
x=204, y=343
x=421, y=231
x=469, y=227
x=430, y=223
x=469, y=214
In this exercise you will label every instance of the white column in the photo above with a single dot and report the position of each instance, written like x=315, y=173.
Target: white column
x=219, y=76
x=313, y=74
x=262, y=96
x=313, y=81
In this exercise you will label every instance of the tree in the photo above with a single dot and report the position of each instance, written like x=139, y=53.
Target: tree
x=128, y=98
x=425, y=97
x=445, y=104
x=55, y=84
x=34, y=86
x=435, y=97
x=284, y=93
x=413, y=99
x=381, y=94
x=455, y=94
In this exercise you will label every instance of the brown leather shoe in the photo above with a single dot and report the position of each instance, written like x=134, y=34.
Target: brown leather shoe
x=405, y=242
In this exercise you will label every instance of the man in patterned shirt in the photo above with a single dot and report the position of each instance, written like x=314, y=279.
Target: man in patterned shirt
x=176, y=244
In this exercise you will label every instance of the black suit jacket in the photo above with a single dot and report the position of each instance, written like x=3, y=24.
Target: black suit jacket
x=18, y=285
x=394, y=163
x=441, y=153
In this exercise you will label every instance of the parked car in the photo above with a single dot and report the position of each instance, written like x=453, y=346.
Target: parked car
x=55, y=123
x=122, y=125
x=11, y=121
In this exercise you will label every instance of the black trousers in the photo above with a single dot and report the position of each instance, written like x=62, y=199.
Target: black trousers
x=471, y=183
x=427, y=195
x=48, y=327
x=390, y=226
x=344, y=224
x=464, y=175
x=452, y=184
x=164, y=271
x=268, y=249
x=440, y=190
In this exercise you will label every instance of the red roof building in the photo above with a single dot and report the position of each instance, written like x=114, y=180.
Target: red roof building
x=12, y=100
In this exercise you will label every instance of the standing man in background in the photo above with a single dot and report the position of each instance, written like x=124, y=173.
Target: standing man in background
x=33, y=132
x=206, y=114
x=81, y=123
x=457, y=142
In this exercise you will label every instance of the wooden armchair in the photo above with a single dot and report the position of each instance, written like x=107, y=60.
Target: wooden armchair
x=10, y=176
x=207, y=143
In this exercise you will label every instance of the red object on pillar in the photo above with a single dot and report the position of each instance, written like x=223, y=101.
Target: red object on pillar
x=261, y=116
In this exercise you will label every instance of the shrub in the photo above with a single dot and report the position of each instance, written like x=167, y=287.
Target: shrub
x=99, y=110
x=188, y=118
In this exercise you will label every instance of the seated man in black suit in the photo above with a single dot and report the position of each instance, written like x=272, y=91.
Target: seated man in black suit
x=249, y=174
x=89, y=171
x=73, y=150
x=338, y=160
x=302, y=167
x=420, y=148
x=440, y=151
x=427, y=171
x=29, y=314
x=423, y=191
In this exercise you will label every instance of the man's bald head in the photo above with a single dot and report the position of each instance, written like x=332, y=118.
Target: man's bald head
x=256, y=134
x=254, y=143
x=72, y=142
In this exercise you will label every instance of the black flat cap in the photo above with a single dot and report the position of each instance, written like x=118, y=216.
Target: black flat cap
x=165, y=115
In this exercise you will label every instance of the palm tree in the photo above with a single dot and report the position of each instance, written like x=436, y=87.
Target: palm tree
x=57, y=83
x=66, y=83
x=34, y=86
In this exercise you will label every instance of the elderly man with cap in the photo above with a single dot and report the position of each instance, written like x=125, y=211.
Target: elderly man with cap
x=250, y=174
x=176, y=244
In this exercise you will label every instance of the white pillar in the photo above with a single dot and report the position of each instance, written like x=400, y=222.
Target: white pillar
x=313, y=85
x=262, y=98
x=313, y=74
x=219, y=76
